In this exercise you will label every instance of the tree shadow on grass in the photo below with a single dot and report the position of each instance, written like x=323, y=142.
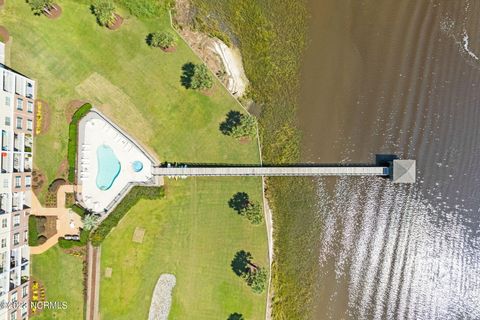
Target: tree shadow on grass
x=239, y=202
x=149, y=39
x=240, y=262
x=235, y=316
x=188, y=70
x=232, y=120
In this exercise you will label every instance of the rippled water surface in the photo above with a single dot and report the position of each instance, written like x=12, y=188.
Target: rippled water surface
x=396, y=77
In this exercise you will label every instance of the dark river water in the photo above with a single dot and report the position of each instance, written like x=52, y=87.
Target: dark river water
x=396, y=77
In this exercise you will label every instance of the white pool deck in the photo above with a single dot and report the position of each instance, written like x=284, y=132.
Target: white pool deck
x=96, y=130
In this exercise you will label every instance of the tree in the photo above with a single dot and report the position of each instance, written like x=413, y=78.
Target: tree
x=104, y=10
x=40, y=6
x=253, y=212
x=236, y=316
x=240, y=263
x=90, y=221
x=257, y=280
x=164, y=40
x=239, y=202
x=201, y=78
x=239, y=125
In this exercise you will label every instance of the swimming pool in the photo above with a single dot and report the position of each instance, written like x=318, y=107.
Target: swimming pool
x=108, y=167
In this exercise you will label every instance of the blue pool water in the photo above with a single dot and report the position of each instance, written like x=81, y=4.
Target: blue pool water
x=137, y=166
x=108, y=167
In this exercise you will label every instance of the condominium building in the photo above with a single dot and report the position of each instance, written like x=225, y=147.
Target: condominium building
x=16, y=163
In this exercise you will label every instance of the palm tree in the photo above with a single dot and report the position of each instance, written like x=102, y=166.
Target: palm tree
x=104, y=10
x=162, y=40
x=90, y=222
x=40, y=6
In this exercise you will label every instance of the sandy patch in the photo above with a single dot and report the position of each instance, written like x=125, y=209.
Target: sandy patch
x=162, y=297
x=236, y=80
x=138, y=235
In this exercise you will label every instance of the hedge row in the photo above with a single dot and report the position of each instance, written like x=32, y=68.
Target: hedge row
x=79, y=210
x=72, y=139
x=67, y=244
x=135, y=194
x=32, y=231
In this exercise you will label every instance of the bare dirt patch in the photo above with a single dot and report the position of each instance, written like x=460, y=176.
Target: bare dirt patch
x=4, y=34
x=108, y=272
x=54, y=12
x=62, y=170
x=138, y=235
x=244, y=140
x=72, y=107
x=169, y=49
x=38, y=180
x=42, y=116
x=117, y=23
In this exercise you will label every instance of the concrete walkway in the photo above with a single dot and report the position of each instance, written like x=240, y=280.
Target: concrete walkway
x=64, y=218
x=93, y=282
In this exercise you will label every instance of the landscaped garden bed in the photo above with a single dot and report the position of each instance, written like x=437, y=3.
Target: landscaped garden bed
x=40, y=228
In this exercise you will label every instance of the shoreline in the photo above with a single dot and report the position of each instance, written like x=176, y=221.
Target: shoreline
x=268, y=213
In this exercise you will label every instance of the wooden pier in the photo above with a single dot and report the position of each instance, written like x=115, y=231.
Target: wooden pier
x=401, y=171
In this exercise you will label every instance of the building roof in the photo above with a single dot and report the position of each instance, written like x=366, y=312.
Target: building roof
x=404, y=171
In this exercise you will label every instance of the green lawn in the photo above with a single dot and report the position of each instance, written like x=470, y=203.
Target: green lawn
x=193, y=234
x=138, y=86
x=61, y=274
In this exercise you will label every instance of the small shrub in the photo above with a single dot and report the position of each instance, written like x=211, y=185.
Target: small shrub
x=257, y=280
x=135, y=194
x=239, y=125
x=67, y=244
x=32, y=231
x=104, y=10
x=162, y=39
x=201, y=78
x=196, y=76
x=79, y=210
x=254, y=213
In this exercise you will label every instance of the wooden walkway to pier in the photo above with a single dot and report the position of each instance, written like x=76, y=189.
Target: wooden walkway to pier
x=272, y=171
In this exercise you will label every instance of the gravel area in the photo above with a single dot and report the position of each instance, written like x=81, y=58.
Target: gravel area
x=162, y=297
